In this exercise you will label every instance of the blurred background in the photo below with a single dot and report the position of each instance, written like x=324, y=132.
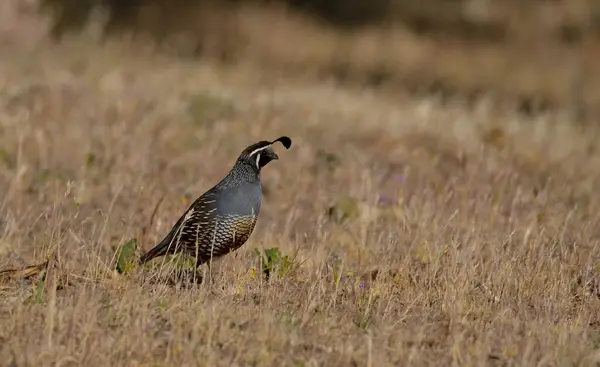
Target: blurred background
x=536, y=56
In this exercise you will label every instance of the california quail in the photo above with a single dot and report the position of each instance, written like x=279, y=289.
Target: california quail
x=222, y=219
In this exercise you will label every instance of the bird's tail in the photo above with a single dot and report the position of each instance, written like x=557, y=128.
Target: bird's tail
x=166, y=246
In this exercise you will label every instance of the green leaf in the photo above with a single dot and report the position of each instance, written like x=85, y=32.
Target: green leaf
x=6, y=159
x=273, y=254
x=285, y=265
x=90, y=159
x=343, y=209
x=273, y=260
x=126, y=256
x=182, y=260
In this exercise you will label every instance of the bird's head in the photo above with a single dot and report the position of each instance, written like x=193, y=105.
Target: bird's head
x=261, y=153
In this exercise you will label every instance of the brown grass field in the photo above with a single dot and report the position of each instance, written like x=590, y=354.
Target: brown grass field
x=420, y=234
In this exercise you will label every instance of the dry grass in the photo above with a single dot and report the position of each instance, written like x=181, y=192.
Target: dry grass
x=483, y=227
x=533, y=68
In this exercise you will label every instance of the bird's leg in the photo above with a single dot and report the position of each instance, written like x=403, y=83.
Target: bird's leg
x=211, y=281
x=206, y=272
x=209, y=270
x=198, y=274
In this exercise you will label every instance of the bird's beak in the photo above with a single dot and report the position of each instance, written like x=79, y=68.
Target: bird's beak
x=272, y=154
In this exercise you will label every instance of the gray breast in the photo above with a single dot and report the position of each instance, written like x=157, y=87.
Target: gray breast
x=244, y=199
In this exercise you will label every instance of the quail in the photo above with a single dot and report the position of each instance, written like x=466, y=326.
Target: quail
x=223, y=218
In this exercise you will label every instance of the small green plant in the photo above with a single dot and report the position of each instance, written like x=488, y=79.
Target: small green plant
x=90, y=160
x=162, y=303
x=182, y=260
x=38, y=292
x=274, y=260
x=6, y=159
x=364, y=306
x=344, y=209
x=327, y=161
x=126, y=256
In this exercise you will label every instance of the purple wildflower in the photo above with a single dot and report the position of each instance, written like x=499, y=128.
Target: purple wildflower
x=383, y=198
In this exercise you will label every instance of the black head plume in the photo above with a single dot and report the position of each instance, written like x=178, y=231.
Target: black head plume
x=286, y=141
x=261, y=153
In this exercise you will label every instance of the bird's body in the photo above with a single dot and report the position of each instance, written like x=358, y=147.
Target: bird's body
x=223, y=218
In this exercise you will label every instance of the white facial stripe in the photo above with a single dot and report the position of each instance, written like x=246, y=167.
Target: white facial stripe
x=257, y=160
x=258, y=150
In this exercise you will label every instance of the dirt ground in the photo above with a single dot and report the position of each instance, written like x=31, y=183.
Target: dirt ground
x=419, y=233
